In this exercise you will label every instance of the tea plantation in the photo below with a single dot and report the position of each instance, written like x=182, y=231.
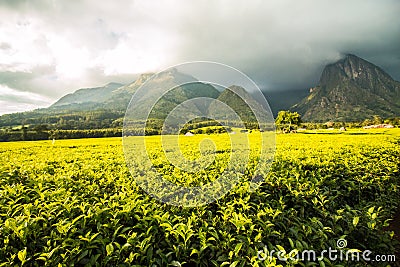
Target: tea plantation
x=74, y=203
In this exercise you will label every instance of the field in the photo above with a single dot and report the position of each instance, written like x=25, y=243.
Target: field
x=74, y=203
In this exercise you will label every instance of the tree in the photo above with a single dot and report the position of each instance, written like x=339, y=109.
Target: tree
x=286, y=119
x=367, y=122
x=24, y=132
x=377, y=119
x=40, y=128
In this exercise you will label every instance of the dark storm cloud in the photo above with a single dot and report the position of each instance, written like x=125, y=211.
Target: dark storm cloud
x=54, y=47
x=285, y=44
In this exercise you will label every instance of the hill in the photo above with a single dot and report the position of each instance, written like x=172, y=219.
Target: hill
x=240, y=101
x=96, y=95
x=105, y=107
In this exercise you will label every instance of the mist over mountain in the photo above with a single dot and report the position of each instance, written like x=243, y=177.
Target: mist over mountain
x=284, y=99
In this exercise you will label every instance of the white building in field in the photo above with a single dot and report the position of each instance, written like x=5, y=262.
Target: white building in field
x=384, y=125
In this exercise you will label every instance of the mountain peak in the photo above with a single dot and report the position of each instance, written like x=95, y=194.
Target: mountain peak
x=175, y=76
x=352, y=56
x=144, y=77
x=351, y=89
x=353, y=60
x=237, y=89
x=352, y=67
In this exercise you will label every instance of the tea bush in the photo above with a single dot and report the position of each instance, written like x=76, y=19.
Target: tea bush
x=75, y=203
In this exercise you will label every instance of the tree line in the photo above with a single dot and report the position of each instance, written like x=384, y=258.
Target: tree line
x=289, y=121
x=27, y=134
x=105, y=124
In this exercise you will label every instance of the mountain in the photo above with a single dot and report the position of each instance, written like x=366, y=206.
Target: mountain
x=181, y=87
x=106, y=106
x=132, y=87
x=240, y=101
x=115, y=96
x=352, y=89
x=98, y=94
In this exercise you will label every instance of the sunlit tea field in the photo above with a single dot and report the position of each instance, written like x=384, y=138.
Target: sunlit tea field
x=75, y=203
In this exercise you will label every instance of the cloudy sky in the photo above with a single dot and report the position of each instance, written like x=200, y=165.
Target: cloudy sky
x=52, y=47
